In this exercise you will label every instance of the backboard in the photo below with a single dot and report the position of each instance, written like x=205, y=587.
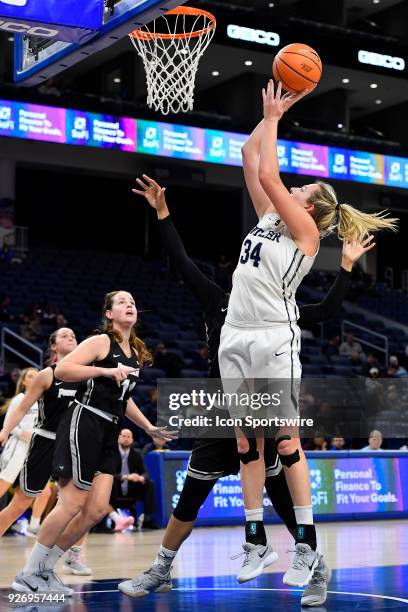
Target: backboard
x=37, y=60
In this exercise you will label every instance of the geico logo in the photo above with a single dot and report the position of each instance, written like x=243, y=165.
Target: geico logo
x=256, y=36
x=22, y=28
x=378, y=59
x=15, y=2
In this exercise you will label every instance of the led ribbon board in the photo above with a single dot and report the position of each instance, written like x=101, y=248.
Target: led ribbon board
x=75, y=127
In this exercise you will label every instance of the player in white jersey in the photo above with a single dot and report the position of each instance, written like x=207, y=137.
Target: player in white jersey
x=260, y=338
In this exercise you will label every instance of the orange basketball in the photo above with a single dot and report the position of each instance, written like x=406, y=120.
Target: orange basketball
x=298, y=67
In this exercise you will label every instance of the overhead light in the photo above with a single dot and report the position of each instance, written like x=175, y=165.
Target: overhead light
x=340, y=125
x=248, y=62
x=378, y=101
x=117, y=80
x=345, y=80
x=271, y=4
x=376, y=1
x=373, y=85
x=215, y=73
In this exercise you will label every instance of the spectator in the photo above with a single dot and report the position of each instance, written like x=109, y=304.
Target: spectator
x=5, y=314
x=31, y=328
x=332, y=348
x=351, y=348
x=50, y=312
x=374, y=390
x=60, y=321
x=6, y=254
x=371, y=362
x=397, y=370
x=338, y=443
x=170, y=362
x=12, y=380
x=200, y=359
x=158, y=444
x=318, y=443
x=375, y=441
x=131, y=482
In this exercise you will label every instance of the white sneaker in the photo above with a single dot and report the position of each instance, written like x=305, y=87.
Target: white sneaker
x=257, y=557
x=303, y=566
x=74, y=564
x=155, y=580
x=30, y=583
x=315, y=594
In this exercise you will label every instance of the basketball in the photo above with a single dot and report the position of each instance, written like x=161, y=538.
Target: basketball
x=297, y=67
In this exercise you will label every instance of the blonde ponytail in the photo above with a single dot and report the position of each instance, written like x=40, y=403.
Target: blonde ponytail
x=351, y=224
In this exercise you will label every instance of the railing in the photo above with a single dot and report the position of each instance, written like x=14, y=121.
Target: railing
x=348, y=327
x=7, y=335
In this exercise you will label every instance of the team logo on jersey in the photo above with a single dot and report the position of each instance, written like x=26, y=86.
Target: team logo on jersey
x=66, y=393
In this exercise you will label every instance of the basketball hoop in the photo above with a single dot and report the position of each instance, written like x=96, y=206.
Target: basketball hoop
x=171, y=52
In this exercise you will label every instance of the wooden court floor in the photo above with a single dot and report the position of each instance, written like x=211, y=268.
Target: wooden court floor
x=354, y=549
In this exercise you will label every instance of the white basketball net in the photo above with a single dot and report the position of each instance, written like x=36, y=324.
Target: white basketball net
x=171, y=62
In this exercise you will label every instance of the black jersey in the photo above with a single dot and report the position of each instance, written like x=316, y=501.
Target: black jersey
x=54, y=402
x=214, y=300
x=103, y=393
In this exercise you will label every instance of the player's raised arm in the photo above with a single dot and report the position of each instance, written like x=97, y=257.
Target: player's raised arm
x=207, y=292
x=250, y=159
x=300, y=223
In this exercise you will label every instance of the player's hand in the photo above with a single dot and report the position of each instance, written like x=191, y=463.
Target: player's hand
x=354, y=249
x=153, y=193
x=3, y=437
x=25, y=436
x=161, y=433
x=118, y=374
x=275, y=105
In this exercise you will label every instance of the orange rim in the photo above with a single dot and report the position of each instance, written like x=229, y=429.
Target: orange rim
x=179, y=10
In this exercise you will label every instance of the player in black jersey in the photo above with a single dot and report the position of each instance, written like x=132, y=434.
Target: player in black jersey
x=214, y=458
x=106, y=366
x=53, y=398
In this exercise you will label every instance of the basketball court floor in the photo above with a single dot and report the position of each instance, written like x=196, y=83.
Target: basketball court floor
x=369, y=562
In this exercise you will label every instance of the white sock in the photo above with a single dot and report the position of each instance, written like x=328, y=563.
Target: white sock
x=254, y=515
x=304, y=515
x=38, y=556
x=168, y=556
x=54, y=556
x=34, y=522
x=114, y=516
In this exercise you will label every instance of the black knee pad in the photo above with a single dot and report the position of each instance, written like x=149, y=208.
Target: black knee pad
x=287, y=460
x=252, y=454
x=192, y=497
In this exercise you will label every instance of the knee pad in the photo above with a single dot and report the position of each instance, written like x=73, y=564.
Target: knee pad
x=251, y=455
x=192, y=497
x=185, y=513
x=287, y=460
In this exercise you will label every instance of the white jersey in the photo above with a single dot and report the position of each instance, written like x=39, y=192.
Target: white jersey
x=15, y=452
x=28, y=421
x=270, y=269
